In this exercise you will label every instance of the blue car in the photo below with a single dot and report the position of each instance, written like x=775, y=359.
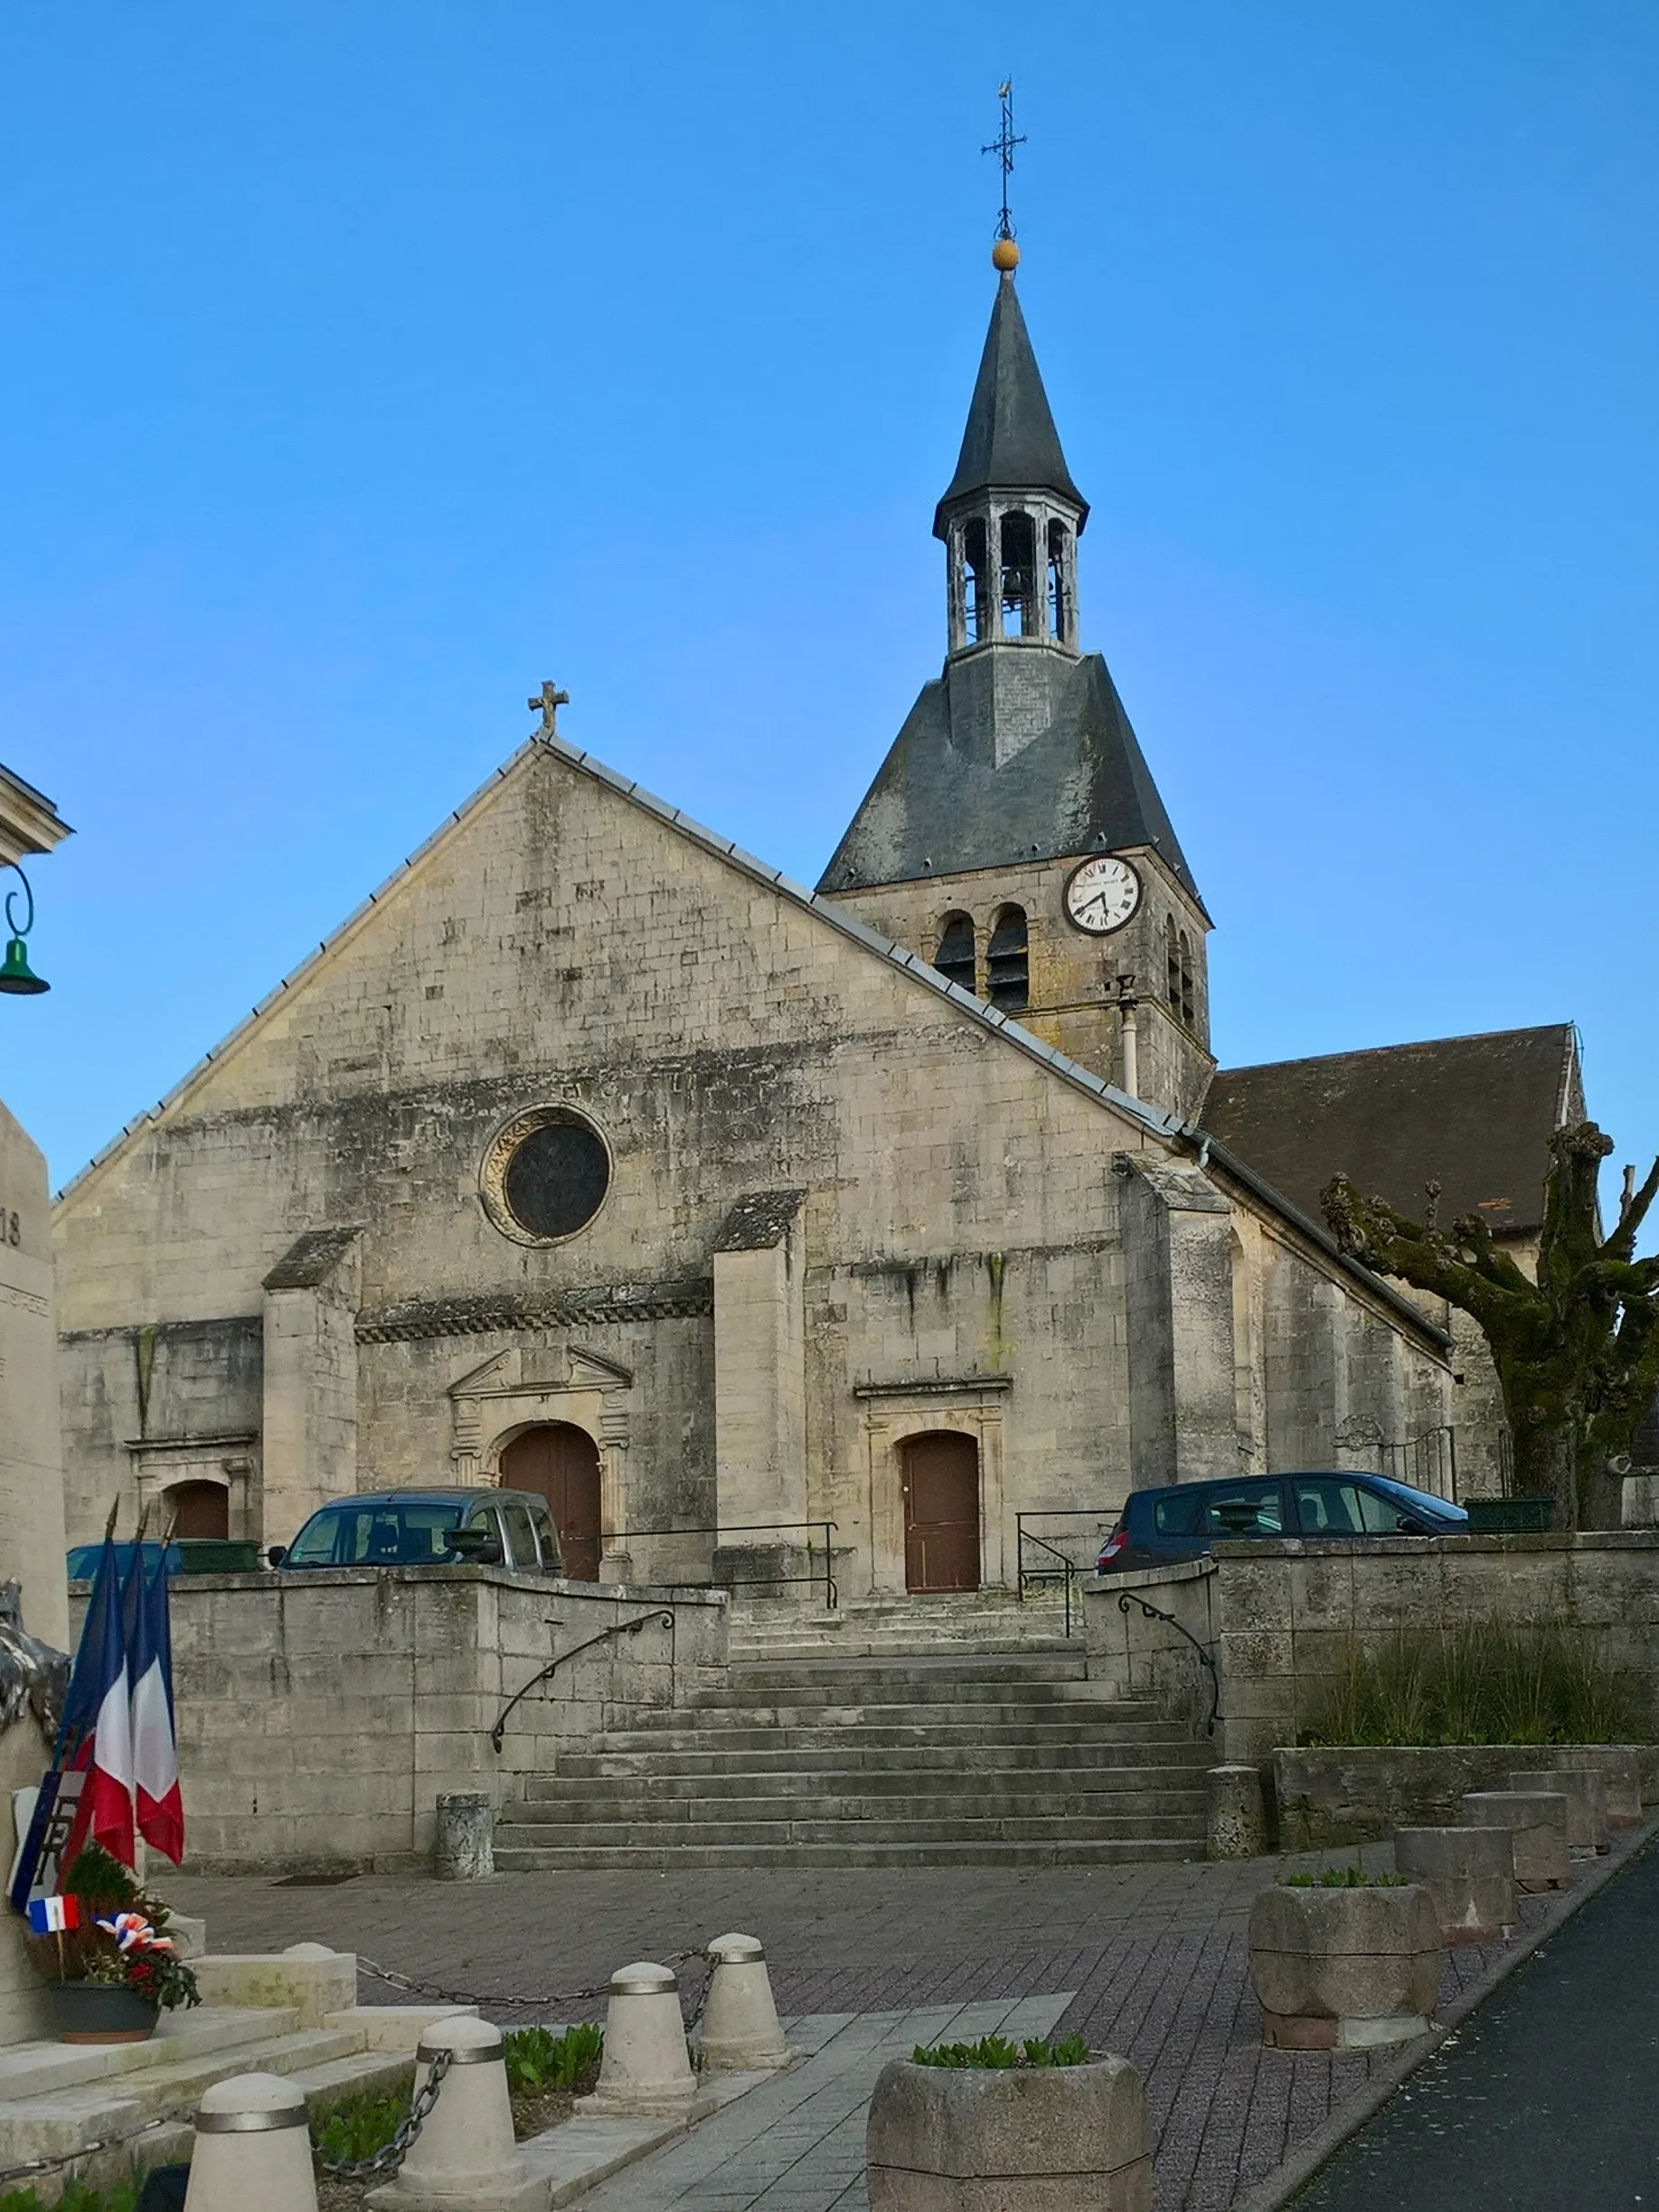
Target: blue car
x=1160, y=1527
x=82, y=1559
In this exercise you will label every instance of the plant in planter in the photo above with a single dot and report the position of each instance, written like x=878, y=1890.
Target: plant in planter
x=110, y=1968
x=1033, y=2126
x=1344, y=1961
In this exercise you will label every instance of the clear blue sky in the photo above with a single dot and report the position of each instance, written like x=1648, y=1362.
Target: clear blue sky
x=365, y=361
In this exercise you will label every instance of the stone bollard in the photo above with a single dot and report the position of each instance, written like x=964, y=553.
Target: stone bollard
x=465, y=2154
x=1236, y=1822
x=645, y=2068
x=464, y=1848
x=253, y=2148
x=739, y=2021
x=1470, y=1874
x=1537, y=1824
x=1587, y=1803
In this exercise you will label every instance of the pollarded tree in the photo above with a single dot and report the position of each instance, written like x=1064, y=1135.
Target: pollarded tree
x=1577, y=1351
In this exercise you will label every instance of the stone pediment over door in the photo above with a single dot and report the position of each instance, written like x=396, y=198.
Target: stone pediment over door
x=526, y=1385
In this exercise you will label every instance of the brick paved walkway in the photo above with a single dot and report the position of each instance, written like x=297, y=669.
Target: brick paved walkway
x=1155, y=1953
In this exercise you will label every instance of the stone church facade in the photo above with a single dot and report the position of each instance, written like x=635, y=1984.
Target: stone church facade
x=592, y=1155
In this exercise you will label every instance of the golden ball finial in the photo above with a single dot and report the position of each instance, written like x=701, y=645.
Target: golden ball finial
x=1005, y=256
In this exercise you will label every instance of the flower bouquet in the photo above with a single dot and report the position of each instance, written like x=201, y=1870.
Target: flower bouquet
x=109, y=1966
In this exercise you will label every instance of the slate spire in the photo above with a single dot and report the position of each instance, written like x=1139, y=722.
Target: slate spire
x=1010, y=443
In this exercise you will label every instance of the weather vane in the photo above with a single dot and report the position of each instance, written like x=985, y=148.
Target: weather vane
x=1002, y=146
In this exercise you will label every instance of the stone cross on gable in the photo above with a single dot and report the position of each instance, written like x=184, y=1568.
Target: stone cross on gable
x=549, y=701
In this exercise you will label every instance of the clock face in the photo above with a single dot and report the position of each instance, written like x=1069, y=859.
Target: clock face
x=1102, y=895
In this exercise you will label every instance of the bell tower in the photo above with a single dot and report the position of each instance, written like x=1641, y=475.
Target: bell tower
x=1014, y=835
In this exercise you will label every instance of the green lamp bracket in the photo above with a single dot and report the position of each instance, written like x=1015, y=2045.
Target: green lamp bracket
x=16, y=976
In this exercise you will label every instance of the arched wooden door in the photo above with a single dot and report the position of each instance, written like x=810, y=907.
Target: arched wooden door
x=562, y=1463
x=941, y=1512
x=196, y=1509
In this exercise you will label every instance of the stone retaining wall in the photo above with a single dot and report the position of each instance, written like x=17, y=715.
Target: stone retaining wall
x=1281, y=1618
x=1351, y=1794
x=321, y=1715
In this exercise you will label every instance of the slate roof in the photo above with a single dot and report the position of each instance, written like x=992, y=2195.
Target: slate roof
x=1473, y=1113
x=1010, y=443
x=940, y=805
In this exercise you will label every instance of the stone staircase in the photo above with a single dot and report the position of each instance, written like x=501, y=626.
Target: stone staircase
x=929, y=1759
x=979, y=1623
x=55, y=2097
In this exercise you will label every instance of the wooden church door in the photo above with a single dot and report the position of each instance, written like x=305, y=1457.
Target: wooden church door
x=562, y=1463
x=941, y=1512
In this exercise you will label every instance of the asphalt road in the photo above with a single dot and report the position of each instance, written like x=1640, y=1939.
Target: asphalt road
x=1547, y=2099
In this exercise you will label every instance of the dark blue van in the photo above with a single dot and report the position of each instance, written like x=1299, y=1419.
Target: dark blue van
x=1159, y=1527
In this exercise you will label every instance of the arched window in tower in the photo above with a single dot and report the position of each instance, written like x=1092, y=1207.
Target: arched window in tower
x=1008, y=962
x=1019, y=585
x=1060, y=587
x=976, y=580
x=1178, y=962
x=955, y=956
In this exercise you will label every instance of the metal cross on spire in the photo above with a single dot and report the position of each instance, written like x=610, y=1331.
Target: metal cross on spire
x=1002, y=146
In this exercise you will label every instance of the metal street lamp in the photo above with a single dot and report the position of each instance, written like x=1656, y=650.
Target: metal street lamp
x=15, y=974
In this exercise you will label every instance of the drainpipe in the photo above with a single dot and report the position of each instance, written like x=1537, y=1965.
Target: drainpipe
x=1131, y=1063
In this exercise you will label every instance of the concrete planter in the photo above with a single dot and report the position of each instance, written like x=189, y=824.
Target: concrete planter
x=1017, y=2139
x=1536, y=1823
x=1344, y=1969
x=1620, y=1766
x=1470, y=1874
x=1586, y=1792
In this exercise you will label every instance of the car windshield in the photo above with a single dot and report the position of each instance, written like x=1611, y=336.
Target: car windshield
x=1419, y=1500
x=376, y=1532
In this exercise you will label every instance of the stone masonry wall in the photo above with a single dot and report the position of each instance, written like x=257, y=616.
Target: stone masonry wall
x=1281, y=1619
x=322, y=1714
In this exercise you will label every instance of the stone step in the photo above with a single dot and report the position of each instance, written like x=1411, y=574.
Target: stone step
x=677, y=1735
x=1140, y=1804
x=862, y=1763
x=897, y=1694
x=855, y=1852
x=39, y=2067
x=948, y=1778
x=923, y=1676
x=61, y=2119
x=521, y=1833
x=331, y=2083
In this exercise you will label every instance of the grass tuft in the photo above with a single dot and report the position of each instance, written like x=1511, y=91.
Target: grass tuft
x=538, y=2059
x=1491, y=1682
x=994, y=2053
x=76, y=2197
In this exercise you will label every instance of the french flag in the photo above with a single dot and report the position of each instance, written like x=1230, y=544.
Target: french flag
x=155, y=1749
x=97, y=1734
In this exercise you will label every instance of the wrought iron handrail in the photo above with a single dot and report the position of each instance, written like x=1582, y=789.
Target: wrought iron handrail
x=1068, y=1570
x=1126, y=1598
x=832, y=1589
x=1023, y=1536
x=663, y=1613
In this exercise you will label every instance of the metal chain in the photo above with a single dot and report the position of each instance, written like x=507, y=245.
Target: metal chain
x=391, y=2155
x=376, y=1971
x=87, y=2150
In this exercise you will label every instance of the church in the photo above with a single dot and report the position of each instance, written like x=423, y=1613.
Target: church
x=898, y=1225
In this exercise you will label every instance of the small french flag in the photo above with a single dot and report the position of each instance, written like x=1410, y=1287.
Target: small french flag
x=51, y=1915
